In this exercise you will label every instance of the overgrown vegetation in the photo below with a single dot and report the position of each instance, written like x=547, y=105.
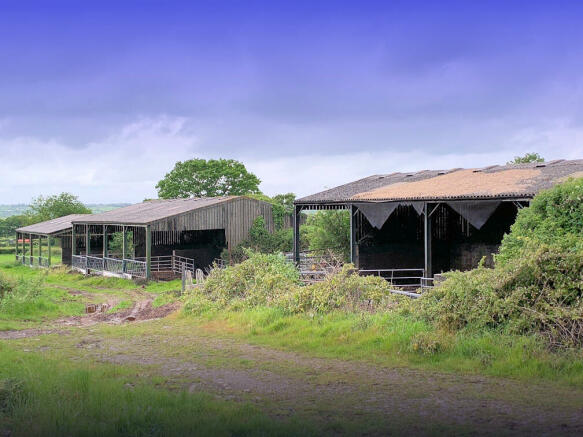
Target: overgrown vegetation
x=328, y=231
x=269, y=280
x=260, y=240
x=536, y=285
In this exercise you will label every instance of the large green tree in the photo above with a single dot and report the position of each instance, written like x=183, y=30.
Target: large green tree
x=202, y=178
x=51, y=207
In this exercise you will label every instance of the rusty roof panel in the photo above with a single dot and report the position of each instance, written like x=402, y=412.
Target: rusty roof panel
x=491, y=182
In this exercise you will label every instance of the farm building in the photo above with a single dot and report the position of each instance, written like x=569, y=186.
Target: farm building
x=413, y=225
x=31, y=239
x=160, y=238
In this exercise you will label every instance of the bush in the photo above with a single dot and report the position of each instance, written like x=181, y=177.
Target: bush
x=554, y=218
x=345, y=290
x=269, y=280
x=5, y=286
x=261, y=240
x=259, y=280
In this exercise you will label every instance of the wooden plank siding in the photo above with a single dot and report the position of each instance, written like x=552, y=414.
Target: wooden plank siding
x=235, y=217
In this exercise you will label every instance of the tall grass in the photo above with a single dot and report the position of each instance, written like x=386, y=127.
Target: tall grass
x=397, y=338
x=40, y=397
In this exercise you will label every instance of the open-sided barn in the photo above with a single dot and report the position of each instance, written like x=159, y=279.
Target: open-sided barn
x=412, y=225
x=157, y=237
x=31, y=237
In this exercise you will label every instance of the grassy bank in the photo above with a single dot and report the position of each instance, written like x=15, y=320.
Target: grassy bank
x=393, y=339
x=37, y=296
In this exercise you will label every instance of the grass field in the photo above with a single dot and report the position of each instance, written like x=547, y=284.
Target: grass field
x=260, y=371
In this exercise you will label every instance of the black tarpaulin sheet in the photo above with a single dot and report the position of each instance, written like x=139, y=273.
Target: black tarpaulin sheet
x=378, y=213
x=476, y=213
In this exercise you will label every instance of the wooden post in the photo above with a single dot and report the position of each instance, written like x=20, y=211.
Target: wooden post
x=49, y=248
x=148, y=252
x=105, y=241
x=353, y=244
x=87, y=247
x=297, y=212
x=123, y=249
x=31, y=250
x=73, y=243
x=427, y=241
x=40, y=250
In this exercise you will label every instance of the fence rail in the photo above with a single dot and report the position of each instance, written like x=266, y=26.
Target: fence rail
x=132, y=267
x=403, y=278
x=33, y=261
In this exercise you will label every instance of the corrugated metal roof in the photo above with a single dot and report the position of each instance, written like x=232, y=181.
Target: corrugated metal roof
x=500, y=181
x=51, y=227
x=153, y=210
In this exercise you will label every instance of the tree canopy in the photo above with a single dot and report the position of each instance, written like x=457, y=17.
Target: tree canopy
x=9, y=225
x=51, y=207
x=202, y=178
x=528, y=157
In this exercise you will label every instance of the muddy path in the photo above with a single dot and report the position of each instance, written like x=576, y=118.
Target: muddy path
x=142, y=309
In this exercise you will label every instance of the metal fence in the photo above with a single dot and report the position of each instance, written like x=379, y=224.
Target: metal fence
x=33, y=261
x=403, y=278
x=132, y=267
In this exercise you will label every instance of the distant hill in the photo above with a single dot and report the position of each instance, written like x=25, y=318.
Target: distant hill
x=8, y=210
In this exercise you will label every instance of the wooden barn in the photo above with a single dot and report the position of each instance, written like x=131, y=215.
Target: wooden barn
x=409, y=226
x=32, y=240
x=159, y=238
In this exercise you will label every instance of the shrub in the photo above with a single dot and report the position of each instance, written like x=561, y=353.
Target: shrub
x=539, y=291
x=554, y=218
x=269, y=280
x=261, y=240
x=5, y=285
x=345, y=290
x=259, y=280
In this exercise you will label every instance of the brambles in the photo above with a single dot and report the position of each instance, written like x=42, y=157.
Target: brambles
x=536, y=285
x=269, y=280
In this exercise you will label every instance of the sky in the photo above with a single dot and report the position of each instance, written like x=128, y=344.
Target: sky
x=101, y=98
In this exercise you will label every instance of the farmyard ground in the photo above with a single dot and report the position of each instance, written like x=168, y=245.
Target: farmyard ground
x=256, y=387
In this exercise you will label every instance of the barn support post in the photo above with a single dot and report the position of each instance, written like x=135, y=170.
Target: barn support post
x=353, y=245
x=123, y=248
x=148, y=252
x=87, y=247
x=49, y=249
x=297, y=212
x=427, y=241
x=105, y=241
x=73, y=242
x=40, y=250
x=31, y=250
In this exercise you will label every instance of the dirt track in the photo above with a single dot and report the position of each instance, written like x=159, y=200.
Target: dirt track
x=286, y=384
